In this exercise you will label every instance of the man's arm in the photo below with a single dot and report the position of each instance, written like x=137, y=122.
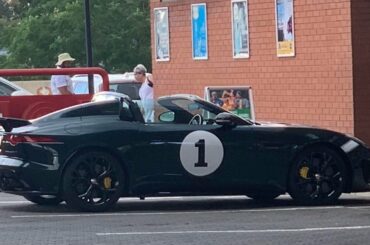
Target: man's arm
x=64, y=90
x=149, y=77
x=61, y=83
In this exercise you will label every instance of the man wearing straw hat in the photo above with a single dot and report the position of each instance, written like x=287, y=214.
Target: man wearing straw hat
x=62, y=84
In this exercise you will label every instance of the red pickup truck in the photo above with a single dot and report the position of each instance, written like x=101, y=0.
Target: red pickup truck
x=33, y=106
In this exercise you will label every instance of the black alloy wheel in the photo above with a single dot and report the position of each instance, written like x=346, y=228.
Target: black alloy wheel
x=44, y=200
x=317, y=177
x=93, y=181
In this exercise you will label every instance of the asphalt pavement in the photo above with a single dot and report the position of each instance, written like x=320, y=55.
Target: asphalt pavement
x=217, y=220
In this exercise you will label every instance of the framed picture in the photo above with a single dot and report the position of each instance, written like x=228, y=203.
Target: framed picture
x=240, y=33
x=236, y=99
x=284, y=28
x=161, y=34
x=199, y=31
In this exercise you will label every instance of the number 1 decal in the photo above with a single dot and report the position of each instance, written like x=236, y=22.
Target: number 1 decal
x=201, y=153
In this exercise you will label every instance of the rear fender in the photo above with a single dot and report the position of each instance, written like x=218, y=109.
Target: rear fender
x=97, y=148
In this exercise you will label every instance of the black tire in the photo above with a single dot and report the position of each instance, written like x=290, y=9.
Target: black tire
x=93, y=181
x=44, y=200
x=318, y=176
x=263, y=196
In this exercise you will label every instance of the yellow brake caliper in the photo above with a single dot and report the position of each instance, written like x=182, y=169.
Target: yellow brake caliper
x=303, y=172
x=107, y=183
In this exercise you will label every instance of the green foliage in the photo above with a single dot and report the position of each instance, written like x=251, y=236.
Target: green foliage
x=38, y=30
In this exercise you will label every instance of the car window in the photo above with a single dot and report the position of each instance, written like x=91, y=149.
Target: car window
x=120, y=83
x=131, y=89
x=194, y=108
x=5, y=90
x=181, y=111
x=82, y=87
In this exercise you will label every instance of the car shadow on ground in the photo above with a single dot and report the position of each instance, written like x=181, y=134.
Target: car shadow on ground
x=184, y=204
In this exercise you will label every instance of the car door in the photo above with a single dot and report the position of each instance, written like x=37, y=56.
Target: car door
x=204, y=158
x=183, y=157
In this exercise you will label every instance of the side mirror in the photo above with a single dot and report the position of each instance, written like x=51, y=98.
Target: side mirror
x=167, y=116
x=226, y=119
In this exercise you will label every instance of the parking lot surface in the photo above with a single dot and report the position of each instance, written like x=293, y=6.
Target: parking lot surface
x=188, y=220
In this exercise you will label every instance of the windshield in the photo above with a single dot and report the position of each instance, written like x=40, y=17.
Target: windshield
x=178, y=110
x=130, y=88
x=5, y=89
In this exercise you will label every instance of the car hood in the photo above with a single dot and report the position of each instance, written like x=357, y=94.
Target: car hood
x=280, y=124
x=310, y=128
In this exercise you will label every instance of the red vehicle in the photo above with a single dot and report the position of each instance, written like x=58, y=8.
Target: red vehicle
x=33, y=106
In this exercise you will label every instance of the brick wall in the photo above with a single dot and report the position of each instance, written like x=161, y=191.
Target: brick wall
x=314, y=87
x=361, y=66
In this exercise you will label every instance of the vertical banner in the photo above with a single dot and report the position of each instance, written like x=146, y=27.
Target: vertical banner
x=284, y=28
x=161, y=34
x=199, y=31
x=240, y=33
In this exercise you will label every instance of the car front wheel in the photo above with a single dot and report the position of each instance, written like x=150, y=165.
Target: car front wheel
x=317, y=177
x=93, y=181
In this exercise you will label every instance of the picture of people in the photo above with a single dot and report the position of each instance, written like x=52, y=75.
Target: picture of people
x=284, y=28
x=215, y=99
x=240, y=28
x=161, y=33
x=237, y=100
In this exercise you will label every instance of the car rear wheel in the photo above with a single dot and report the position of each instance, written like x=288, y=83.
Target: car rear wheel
x=317, y=177
x=93, y=181
x=44, y=199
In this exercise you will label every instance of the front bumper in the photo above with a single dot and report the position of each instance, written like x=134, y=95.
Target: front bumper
x=366, y=168
x=20, y=177
x=361, y=178
x=360, y=159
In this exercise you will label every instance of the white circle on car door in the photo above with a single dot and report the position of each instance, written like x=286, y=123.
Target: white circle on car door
x=201, y=153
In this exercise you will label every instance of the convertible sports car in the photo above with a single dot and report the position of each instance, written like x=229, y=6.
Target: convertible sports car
x=92, y=154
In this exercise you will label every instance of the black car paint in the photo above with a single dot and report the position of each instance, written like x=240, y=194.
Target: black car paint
x=257, y=156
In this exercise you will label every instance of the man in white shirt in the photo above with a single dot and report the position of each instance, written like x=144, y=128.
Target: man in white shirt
x=62, y=84
x=146, y=91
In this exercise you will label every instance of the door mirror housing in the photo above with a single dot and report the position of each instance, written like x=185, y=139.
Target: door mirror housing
x=229, y=120
x=167, y=117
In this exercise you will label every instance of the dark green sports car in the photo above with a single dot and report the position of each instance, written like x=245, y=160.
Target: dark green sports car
x=92, y=154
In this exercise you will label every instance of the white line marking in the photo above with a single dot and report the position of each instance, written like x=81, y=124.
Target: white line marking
x=240, y=231
x=13, y=202
x=170, y=213
x=360, y=207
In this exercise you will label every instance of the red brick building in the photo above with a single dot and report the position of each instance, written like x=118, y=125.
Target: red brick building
x=326, y=83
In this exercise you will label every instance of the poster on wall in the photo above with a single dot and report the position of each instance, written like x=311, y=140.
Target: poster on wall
x=199, y=31
x=161, y=34
x=236, y=99
x=284, y=28
x=240, y=35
